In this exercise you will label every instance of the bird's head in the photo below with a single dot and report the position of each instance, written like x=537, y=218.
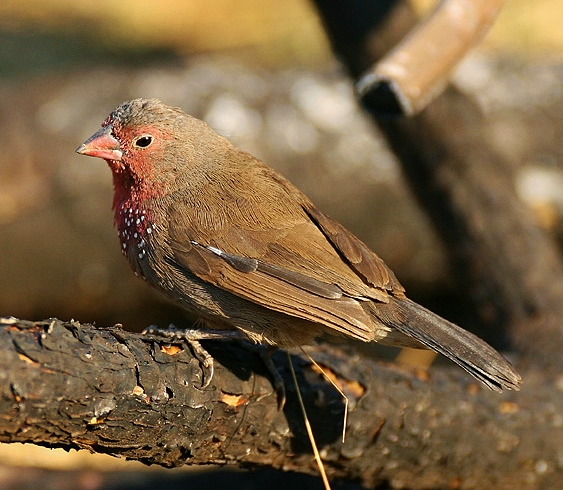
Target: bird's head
x=140, y=141
x=154, y=150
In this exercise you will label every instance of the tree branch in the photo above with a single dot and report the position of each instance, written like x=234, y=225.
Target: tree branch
x=417, y=69
x=111, y=391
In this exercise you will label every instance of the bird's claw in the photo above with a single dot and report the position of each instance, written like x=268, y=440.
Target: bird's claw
x=265, y=354
x=205, y=361
x=190, y=336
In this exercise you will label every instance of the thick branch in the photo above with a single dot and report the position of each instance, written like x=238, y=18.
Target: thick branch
x=111, y=391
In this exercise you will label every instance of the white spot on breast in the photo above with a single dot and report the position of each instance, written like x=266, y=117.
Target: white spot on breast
x=134, y=232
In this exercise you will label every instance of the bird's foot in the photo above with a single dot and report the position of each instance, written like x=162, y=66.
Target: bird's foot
x=192, y=336
x=266, y=353
x=277, y=380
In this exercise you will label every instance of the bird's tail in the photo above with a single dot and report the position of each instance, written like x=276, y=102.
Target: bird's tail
x=465, y=349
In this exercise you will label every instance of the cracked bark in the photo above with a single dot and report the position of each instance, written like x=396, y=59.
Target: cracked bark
x=111, y=391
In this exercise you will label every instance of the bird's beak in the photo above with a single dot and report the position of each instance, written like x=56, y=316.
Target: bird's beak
x=102, y=145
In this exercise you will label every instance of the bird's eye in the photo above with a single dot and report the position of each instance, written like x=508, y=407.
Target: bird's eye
x=143, y=141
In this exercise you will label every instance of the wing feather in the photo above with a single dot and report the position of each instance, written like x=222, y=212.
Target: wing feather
x=277, y=290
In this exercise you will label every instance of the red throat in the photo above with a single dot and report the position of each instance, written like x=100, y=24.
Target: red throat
x=132, y=215
x=133, y=225
x=129, y=205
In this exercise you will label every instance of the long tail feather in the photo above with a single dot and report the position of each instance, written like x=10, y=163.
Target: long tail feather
x=465, y=349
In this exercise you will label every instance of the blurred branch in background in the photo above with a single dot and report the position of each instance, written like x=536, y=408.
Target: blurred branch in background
x=415, y=71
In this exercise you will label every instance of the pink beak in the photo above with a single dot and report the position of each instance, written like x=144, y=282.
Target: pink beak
x=102, y=145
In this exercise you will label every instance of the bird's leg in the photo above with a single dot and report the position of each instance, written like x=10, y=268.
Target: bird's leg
x=193, y=336
x=205, y=360
x=277, y=380
x=266, y=353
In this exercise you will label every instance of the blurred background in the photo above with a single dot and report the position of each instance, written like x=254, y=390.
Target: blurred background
x=260, y=73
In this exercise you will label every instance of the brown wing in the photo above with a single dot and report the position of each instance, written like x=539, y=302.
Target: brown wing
x=274, y=248
x=356, y=253
x=247, y=278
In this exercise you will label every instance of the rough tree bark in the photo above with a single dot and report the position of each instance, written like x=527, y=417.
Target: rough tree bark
x=111, y=391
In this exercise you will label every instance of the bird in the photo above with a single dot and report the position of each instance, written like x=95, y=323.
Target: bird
x=232, y=241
